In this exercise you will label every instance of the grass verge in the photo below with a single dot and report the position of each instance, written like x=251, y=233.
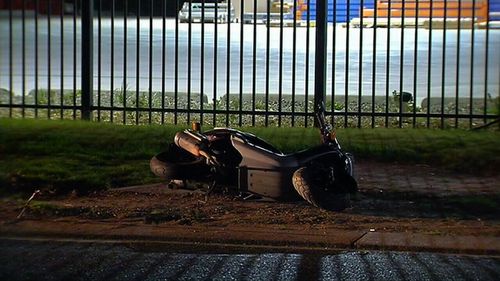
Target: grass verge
x=85, y=156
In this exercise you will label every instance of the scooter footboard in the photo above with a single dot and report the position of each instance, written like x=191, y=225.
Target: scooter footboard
x=276, y=184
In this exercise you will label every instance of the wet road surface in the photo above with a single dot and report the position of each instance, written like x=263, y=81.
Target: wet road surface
x=51, y=260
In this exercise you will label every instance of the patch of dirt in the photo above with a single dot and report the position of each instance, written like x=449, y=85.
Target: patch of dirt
x=392, y=198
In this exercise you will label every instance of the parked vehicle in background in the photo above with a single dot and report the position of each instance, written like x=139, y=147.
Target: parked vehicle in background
x=206, y=12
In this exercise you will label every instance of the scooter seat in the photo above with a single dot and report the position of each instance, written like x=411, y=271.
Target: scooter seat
x=258, y=157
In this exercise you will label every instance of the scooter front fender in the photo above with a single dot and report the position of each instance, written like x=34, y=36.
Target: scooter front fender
x=329, y=155
x=323, y=152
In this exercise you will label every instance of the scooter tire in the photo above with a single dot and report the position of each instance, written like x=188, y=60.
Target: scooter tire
x=304, y=183
x=178, y=165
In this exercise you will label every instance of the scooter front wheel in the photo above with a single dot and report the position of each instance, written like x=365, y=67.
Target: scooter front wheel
x=310, y=187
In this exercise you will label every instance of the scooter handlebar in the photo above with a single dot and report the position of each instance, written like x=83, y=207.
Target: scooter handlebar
x=324, y=127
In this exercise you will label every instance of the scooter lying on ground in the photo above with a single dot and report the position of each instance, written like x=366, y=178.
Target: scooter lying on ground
x=322, y=175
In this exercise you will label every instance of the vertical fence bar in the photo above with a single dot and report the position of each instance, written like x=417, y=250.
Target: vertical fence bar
x=125, y=59
x=347, y=54
x=320, y=56
x=6, y=60
x=268, y=48
x=216, y=19
x=472, y=43
x=11, y=65
x=429, y=68
x=486, y=54
x=457, y=73
x=280, y=74
x=294, y=59
x=137, y=61
x=112, y=64
x=163, y=57
x=334, y=60
x=443, y=64
x=75, y=7
x=202, y=61
x=360, y=63
x=401, y=64
x=87, y=59
x=23, y=62
x=49, y=60
x=176, y=82
x=37, y=4
x=388, y=63
x=189, y=49
x=228, y=60
x=374, y=62
x=150, y=97
x=61, y=97
x=99, y=59
x=415, y=62
x=254, y=60
x=1, y=62
x=240, y=108
x=306, y=75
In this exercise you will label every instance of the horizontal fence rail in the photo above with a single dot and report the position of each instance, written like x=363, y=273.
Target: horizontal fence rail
x=398, y=63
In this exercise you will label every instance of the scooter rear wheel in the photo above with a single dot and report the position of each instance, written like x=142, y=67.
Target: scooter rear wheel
x=309, y=186
x=177, y=164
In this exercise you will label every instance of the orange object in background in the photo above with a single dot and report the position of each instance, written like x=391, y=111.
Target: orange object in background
x=301, y=6
x=430, y=8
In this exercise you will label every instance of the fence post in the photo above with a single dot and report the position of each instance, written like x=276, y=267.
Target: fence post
x=87, y=58
x=320, y=55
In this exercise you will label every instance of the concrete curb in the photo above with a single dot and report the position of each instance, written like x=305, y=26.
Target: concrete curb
x=482, y=245
x=185, y=234
x=195, y=238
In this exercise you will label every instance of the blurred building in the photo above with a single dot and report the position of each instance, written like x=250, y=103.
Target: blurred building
x=338, y=10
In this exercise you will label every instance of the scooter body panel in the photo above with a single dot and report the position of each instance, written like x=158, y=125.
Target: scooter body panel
x=273, y=183
x=269, y=174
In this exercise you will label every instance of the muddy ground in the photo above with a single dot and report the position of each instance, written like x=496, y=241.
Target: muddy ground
x=392, y=198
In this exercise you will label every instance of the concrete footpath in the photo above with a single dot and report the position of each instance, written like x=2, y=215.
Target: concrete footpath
x=246, y=238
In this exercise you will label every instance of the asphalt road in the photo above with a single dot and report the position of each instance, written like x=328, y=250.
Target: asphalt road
x=45, y=260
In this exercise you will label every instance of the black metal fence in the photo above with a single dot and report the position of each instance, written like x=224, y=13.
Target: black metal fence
x=399, y=63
